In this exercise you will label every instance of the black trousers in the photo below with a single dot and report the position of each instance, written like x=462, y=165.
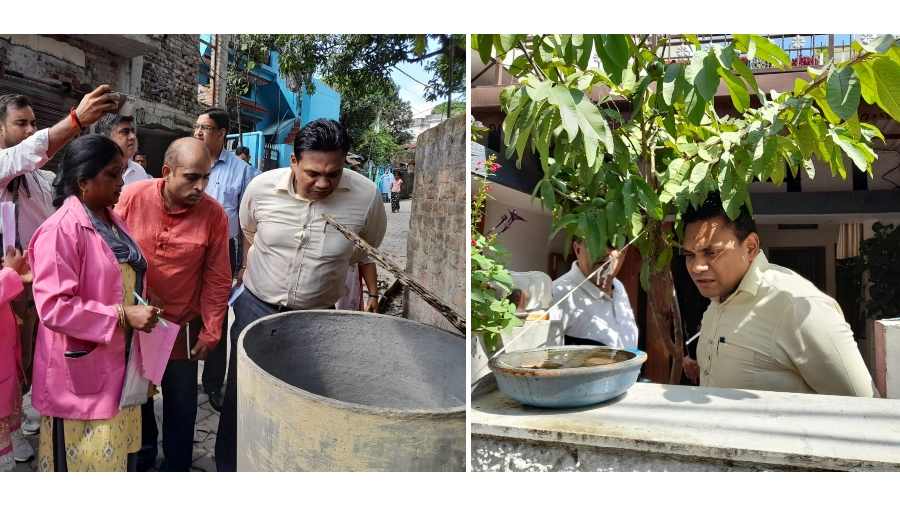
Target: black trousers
x=213, y=378
x=247, y=309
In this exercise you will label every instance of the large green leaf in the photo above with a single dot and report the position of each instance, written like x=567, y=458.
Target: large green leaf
x=528, y=124
x=698, y=174
x=887, y=83
x=538, y=90
x=674, y=72
x=592, y=122
x=565, y=99
x=701, y=73
x=694, y=106
x=594, y=227
x=762, y=48
x=584, y=46
x=747, y=75
x=739, y=96
x=548, y=199
x=842, y=92
x=806, y=139
x=617, y=49
x=648, y=199
x=861, y=154
x=867, y=85
x=819, y=95
x=505, y=43
x=612, y=63
x=485, y=46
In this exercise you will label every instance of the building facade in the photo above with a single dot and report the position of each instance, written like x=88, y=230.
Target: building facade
x=157, y=72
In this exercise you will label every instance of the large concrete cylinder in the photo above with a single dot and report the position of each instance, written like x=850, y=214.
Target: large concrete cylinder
x=350, y=391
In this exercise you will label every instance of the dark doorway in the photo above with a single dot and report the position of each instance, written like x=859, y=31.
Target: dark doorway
x=807, y=261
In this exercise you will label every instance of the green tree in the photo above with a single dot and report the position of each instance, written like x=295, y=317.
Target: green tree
x=653, y=143
x=377, y=145
x=361, y=108
x=349, y=61
x=456, y=108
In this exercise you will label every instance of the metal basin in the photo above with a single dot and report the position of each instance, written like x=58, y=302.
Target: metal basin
x=350, y=391
x=566, y=376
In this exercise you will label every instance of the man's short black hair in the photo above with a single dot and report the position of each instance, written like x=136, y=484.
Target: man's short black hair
x=712, y=207
x=219, y=116
x=242, y=150
x=17, y=101
x=322, y=135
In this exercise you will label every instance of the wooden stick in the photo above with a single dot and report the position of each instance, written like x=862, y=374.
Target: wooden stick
x=449, y=313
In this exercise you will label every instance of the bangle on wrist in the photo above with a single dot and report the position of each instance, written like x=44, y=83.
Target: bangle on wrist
x=121, y=313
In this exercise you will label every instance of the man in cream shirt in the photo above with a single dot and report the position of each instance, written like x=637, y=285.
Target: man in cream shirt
x=766, y=327
x=295, y=259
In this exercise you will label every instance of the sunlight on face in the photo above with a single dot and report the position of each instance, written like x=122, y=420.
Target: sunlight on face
x=715, y=258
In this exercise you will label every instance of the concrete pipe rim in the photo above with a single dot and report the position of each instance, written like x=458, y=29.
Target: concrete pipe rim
x=447, y=413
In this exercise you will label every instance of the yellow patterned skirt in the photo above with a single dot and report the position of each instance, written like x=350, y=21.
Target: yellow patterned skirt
x=96, y=445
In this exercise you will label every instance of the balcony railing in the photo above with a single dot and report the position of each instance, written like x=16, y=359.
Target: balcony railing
x=804, y=50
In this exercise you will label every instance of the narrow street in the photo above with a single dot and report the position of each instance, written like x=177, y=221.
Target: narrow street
x=394, y=245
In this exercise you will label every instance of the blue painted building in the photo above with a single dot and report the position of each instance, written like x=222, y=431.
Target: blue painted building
x=271, y=113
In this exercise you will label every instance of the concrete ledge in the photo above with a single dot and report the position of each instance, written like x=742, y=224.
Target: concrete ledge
x=666, y=427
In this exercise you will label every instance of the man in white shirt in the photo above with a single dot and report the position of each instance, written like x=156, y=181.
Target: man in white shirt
x=123, y=132
x=296, y=260
x=598, y=312
x=23, y=151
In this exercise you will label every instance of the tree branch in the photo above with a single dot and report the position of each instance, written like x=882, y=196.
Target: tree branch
x=448, y=312
x=531, y=61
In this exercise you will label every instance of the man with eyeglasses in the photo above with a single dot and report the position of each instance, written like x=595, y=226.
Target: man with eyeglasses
x=228, y=180
x=122, y=131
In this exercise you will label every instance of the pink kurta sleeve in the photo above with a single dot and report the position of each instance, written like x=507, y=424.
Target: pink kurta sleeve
x=10, y=285
x=56, y=265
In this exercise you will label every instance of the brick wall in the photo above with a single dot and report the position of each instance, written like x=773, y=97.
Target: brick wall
x=62, y=58
x=170, y=74
x=436, y=245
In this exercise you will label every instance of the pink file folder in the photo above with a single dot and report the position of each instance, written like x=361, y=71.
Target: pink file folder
x=156, y=347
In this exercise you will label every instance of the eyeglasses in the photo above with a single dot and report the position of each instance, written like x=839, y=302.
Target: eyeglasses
x=205, y=128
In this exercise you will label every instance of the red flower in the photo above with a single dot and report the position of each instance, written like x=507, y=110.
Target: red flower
x=473, y=242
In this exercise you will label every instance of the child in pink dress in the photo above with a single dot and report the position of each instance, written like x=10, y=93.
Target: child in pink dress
x=14, y=273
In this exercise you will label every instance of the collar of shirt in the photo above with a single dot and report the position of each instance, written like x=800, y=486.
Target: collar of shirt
x=592, y=289
x=752, y=279
x=285, y=184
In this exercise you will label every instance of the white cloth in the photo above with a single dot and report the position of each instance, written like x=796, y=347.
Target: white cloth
x=27, y=158
x=591, y=314
x=537, y=285
x=134, y=172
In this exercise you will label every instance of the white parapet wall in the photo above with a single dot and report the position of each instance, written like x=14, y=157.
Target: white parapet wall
x=676, y=428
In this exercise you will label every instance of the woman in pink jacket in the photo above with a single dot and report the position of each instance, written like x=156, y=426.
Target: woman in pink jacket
x=12, y=276
x=86, y=269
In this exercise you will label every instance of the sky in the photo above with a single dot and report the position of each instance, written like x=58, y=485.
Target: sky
x=410, y=90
